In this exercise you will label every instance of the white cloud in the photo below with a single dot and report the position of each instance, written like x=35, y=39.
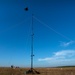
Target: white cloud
x=64, y=55
x=45, y=59
x=65, y=44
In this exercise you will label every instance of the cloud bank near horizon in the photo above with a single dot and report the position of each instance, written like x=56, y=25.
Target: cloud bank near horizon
x=61, y=57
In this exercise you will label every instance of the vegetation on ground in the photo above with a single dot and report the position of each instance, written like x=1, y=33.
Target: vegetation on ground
x=43, y=71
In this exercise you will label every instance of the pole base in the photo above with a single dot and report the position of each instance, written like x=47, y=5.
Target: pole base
x=32, y=71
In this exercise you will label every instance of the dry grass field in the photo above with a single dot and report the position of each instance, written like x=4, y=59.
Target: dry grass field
x=43, y=71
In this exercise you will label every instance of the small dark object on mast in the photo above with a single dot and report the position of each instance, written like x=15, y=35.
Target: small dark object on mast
x=26, y=9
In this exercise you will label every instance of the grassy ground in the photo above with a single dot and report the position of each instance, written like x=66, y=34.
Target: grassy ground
x=43, y=71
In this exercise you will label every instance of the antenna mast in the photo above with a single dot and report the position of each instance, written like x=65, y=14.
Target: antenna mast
x=32, y=36
x=32, y=70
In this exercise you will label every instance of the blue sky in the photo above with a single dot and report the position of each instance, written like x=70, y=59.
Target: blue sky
x=54, y=28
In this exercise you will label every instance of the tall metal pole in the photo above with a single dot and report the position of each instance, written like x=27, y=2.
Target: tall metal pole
x=32, y=35
x=32, y=70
